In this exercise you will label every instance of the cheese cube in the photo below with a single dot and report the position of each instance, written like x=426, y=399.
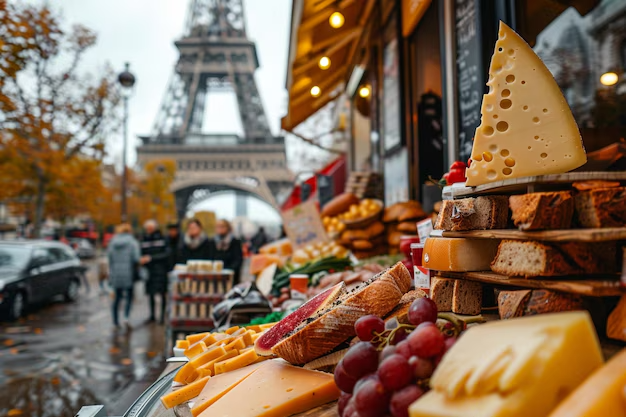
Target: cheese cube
x=207, y=356
x=186, y=373
x=210, y=366
x=459, y=254
x=603, y=394
x=238, y=344
x=276, y=389
x=521, y=367
x=231, y=330
x=247, y=337
x=237, y=362
x=182, y=344
x=183, y=394
x=195, y=350
x=526, y=128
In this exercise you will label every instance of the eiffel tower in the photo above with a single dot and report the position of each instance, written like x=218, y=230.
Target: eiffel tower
x=216, y=55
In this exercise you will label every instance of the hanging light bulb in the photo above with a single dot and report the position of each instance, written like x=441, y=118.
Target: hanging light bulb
x=316, y=91
x=324, y=62
x=364, y=91
x=336, y=20
x=608, y=78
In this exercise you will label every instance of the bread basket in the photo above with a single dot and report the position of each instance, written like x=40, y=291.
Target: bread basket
x=365, y=221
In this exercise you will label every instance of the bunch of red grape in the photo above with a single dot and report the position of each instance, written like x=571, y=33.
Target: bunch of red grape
x=389, y=368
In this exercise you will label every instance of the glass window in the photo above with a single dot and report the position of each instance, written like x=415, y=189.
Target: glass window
x=59, y=255
x=42, y=257
x=14, y=256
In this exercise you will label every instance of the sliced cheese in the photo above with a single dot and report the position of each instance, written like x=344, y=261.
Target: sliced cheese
x=218, y=386
x=521, y=367
x=526, y=127
x=255, y=327
x=459, y=254
x=195, y=349
x=232, y=330
x=247, y=337
x=210, y=366
x=603, y=394
x=209, y=339
x=236, y=344
x=267, y=326
x=236, y=362
x=276, y=389
x=194, y=338
x=183, y=394
x=186, y=373
x=182, y=344
x=208, y=356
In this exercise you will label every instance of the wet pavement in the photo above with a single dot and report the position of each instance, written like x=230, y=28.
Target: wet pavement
x=62, y=356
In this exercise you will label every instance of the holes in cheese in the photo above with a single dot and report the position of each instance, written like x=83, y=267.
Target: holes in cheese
x=184, y=394
x=237, y=362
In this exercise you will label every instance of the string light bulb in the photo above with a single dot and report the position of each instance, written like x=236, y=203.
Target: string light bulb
x=324, y=62
x=364, y=91
x=316, y=91
x=608, y=78
x=336, y=20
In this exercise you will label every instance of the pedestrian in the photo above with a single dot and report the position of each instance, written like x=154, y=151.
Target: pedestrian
x=173, y=241
x=123, y=253
x=195, y=243
x=155, y=257
x=225, y=247
x=258, y=240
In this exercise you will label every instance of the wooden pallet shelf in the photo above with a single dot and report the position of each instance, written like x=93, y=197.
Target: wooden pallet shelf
x=565, y=235
x=602, y=286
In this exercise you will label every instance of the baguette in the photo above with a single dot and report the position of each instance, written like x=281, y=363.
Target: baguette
x=320, y=334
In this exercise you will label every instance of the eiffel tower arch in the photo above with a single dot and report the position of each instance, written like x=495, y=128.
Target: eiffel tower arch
x=216, y=55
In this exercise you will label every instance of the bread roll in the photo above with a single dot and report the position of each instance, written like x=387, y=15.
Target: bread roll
x=339, y=204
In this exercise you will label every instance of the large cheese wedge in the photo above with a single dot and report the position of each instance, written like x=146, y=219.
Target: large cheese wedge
x=219, y=386
x=603, y=394
x=183, y=394
x=276, y=389
x=526, y=128
x=459, y=254
x=523, y=367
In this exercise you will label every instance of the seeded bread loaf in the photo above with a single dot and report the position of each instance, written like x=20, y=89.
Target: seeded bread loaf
x=530, y=258
x=320, y=334
x=480, y=213
x=605, y=207
x=441, y=291
x=537, y=211
x=467, y=297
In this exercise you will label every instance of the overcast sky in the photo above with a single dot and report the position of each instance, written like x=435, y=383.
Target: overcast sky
x=143, y=32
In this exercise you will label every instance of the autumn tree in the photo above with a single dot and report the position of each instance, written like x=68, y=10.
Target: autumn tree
x=151, y=197
x=53, y=119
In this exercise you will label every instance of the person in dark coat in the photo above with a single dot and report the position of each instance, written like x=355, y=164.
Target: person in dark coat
x=225, y=247
x=173, y=241
x=195, y=243
x=123, y=257
x=259, y=239
x=155, y=257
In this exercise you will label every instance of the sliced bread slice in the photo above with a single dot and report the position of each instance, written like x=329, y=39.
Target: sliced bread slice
x=467, y=297
x=441, y=291
x=480, y=213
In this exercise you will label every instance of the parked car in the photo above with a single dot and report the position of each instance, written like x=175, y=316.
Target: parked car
x=35, y=271
x=83, y=248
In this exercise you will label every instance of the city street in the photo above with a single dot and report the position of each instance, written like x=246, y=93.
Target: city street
x=62, y=356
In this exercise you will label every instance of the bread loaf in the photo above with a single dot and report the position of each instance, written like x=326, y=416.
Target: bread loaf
x=339, y=204
x=604, y=207
x=320, y=334
x=403, y=211
x=407, y=227
x=480, y=213
x=512, y=303
x=362, y=245
x=530, y=302
x=441, y=291
x=593, y=185
x=536, y=211
x=530, y=258
x=412, y=213
x=375, y=229
x=467, y=297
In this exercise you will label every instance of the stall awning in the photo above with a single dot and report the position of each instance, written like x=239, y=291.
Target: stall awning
x=312, y=38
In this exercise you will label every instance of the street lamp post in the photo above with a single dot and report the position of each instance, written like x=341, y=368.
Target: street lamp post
x=126, y=80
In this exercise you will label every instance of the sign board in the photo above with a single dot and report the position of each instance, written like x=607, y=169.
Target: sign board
x=303, y=225
x=391, y=97
x=412, y=12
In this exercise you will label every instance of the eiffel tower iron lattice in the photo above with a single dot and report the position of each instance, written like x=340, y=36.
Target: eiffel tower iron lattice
x=215, y=54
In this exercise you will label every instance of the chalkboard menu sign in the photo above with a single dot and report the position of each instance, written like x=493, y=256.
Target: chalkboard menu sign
x=470, y=72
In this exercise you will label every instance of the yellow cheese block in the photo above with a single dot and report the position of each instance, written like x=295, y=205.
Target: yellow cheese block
x=202, y=372
x=186, y=373
x=256, y=336
x=237, y=362
x=182, y=344
x=247, y=337
x=232, y=330
x=210, y=366
x=207, y=356
x=238, y=343
x=603, y=394
x=521, y=367
x=194, y=338
x=459, y=254
x=218, y=386
x=195, y=349
x=255, y=327
x=209, y=339
x=526, y=127
x=276, y=389
x=222, y=342
x=183, y=394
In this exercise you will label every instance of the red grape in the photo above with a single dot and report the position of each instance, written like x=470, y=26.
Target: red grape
x=371, y=399
x=395, y=372
x=344, y=381
x=361, y=359
x=403, y=348
x=422, y=368
x=401, y=400
x=391, y=324
x=349, y=409
x=386, y=352
x=344, y=399
x=367, y=325
x=448, y=343
x=426, y=342
x=364, y=380
x=399, y=336
x=421, y=310
x=426, y=324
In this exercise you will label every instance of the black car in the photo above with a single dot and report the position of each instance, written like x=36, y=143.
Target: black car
x=35, y=271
